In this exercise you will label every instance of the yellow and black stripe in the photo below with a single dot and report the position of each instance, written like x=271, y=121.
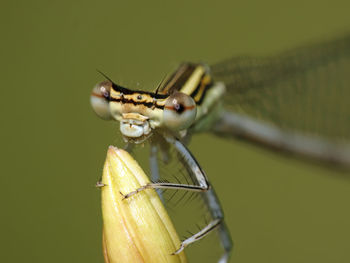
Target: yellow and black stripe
x=191, y=79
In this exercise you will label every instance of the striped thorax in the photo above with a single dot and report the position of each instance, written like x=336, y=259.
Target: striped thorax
x=183, y=99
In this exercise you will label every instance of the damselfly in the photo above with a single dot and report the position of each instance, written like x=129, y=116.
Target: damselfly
x=296, y=102
x=165, y=115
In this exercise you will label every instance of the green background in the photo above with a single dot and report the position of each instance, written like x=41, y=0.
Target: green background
x=53, y=146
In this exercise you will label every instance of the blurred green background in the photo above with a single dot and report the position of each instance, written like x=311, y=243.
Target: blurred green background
x=53, y=146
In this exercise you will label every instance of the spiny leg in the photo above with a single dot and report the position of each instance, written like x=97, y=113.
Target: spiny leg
x=216, y=212
x=212, y=202
x=209, y=195
x=200, y=234
x=174, y=186
x=203, y=183
x=223, y=234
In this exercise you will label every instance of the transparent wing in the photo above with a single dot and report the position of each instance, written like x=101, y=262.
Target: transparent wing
x=304, y=91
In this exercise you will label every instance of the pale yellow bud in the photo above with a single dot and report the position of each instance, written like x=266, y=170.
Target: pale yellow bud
x=136, y=229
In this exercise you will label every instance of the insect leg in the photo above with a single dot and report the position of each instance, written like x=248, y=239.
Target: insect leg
x=154, y=163
x=213, y=205
x=203, y=184
x=225, y=241
x=188, y=187
x=217, y=213
x=202, y=233
x=154, y=168
x=208, y=194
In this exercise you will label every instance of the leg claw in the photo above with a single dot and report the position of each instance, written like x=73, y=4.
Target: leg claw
x=99, y=184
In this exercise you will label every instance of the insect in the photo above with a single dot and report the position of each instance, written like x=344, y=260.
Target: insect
x=295, y=102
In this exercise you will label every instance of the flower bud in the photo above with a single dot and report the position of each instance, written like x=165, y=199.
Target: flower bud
x=137, y=229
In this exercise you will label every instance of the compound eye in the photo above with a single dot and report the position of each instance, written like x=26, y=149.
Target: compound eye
x=99, y=99
x=179, y=111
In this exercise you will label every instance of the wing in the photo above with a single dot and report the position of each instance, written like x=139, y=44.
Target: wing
x=302, y=94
